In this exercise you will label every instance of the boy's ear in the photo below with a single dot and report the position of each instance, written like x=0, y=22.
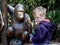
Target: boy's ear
x=44, y=10
x=33, y=14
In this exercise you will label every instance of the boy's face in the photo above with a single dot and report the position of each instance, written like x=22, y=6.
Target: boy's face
x=39, y=16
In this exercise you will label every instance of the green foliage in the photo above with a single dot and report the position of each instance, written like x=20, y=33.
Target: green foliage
x=54, y=15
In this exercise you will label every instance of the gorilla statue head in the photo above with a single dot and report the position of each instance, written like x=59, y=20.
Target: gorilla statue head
x=19, y=12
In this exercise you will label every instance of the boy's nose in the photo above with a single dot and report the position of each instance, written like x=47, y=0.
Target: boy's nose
x=35, y=20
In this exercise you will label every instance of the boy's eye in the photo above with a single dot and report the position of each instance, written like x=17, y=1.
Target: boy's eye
x=37, y=18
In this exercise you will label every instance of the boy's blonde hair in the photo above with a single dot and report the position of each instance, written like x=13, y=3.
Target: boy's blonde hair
x=40, y=9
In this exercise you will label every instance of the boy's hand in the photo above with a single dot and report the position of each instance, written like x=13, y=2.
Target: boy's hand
x=30, y=37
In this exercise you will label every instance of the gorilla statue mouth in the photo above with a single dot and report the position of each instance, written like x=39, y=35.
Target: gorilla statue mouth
x=21, y=20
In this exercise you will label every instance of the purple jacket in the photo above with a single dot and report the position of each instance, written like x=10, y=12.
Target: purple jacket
x=43, y=32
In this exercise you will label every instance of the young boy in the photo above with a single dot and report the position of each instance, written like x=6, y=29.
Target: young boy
x=44, y=29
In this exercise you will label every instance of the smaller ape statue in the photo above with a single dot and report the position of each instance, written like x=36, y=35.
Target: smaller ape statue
x=1, y=25
x=1, y=21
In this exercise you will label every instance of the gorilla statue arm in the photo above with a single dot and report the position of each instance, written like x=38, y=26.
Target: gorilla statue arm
x=28, y=20
x=10, y=9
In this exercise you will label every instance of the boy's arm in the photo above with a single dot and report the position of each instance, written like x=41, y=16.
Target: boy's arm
x=10, y=9
x=40, y=33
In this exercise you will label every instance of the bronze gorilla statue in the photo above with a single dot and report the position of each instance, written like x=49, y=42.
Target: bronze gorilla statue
x=20, y=26
x=1, y=25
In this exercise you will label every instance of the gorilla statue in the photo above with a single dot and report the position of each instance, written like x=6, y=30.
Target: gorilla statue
x=20, y=26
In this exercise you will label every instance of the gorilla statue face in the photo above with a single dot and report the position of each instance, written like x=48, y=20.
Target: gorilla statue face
x=19, y=14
